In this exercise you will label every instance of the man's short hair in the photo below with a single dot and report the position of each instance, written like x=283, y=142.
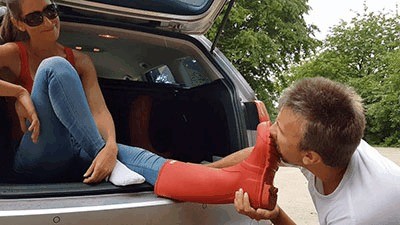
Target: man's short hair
x=334, y=115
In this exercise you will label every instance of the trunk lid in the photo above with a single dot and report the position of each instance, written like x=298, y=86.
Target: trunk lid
x=185, y=16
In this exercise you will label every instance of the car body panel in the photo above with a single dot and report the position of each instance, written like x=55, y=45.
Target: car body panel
x=116, y=209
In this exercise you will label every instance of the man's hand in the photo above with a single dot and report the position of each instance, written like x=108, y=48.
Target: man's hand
x=26, y=111
x=242, y=205
x=102, y=165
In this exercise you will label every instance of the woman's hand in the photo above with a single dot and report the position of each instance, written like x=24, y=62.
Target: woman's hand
x=102, y=165
x=26, y=111
x=242, y=205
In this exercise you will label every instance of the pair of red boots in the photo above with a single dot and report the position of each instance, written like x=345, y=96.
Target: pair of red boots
x=197, y=183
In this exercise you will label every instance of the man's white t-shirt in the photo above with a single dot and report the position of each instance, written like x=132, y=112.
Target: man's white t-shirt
x=369, y=192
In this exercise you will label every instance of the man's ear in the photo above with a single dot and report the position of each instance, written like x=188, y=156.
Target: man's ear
x=311, y=157
x=18, y=24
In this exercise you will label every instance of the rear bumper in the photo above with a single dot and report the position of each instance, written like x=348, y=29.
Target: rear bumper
x=115, y=209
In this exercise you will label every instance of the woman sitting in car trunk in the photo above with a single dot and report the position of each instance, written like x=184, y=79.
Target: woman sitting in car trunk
x=68, y=130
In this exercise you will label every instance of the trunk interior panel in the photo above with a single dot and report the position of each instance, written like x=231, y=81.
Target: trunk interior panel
x=188, y=124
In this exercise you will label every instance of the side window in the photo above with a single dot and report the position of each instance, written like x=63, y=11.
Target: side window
x=161, y=74
x=189, y=72
x=185, y=72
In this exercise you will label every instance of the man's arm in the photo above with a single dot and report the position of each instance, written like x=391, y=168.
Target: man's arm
x=231, y=159
x=281, y=219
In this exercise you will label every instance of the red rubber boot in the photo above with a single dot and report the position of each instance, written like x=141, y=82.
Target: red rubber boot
x=197, y=183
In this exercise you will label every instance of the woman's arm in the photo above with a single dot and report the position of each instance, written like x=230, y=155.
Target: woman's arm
x=10, y=90
x=24, y=107
x=104, y=162
x=9, y=60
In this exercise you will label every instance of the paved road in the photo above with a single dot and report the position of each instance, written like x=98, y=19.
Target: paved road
x=293, y=194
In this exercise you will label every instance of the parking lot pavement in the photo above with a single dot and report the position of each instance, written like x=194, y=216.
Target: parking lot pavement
x=293, y=195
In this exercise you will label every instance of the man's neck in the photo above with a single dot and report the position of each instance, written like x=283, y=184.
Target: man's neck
x=330, y=177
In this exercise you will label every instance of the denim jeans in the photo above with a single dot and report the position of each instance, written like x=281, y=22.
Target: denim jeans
x=69, y=139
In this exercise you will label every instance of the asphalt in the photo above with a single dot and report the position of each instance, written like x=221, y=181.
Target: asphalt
x=293, y=195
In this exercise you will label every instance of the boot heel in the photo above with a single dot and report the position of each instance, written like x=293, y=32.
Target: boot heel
x=269, y=197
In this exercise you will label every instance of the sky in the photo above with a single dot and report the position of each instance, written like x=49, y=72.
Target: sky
x=325, y=13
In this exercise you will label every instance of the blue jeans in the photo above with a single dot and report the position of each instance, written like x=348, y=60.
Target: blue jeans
x=69, y=139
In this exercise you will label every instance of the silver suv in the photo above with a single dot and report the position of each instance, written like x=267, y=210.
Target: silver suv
x=201, y=109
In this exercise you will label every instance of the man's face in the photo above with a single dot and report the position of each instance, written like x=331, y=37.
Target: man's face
x=287, y=133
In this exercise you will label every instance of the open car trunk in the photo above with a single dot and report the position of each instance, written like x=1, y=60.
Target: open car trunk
x=168, y=82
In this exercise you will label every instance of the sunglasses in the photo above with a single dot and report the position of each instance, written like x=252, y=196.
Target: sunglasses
x=36, y=18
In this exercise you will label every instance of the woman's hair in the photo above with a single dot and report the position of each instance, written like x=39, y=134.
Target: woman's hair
x=8, y=32
x=334, y=115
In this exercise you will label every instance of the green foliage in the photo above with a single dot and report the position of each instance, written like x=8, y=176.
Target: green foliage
x=365, y=54
x=263, y=38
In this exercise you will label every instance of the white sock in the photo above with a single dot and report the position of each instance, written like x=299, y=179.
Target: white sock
x=122, y=176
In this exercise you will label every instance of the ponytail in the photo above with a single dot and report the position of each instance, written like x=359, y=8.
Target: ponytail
x=8, y=32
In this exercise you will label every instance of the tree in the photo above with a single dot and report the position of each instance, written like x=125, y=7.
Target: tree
x=263, y=38
x=364, y=54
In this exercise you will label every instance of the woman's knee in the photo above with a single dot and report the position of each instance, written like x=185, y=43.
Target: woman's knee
x=56, y=66
x=54, y=62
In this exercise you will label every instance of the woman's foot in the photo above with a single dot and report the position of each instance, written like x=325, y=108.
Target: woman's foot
x=123, y=176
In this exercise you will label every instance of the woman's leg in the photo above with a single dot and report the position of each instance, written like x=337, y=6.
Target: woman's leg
x=67, y=125
x=68, y=131
x=141, y=161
